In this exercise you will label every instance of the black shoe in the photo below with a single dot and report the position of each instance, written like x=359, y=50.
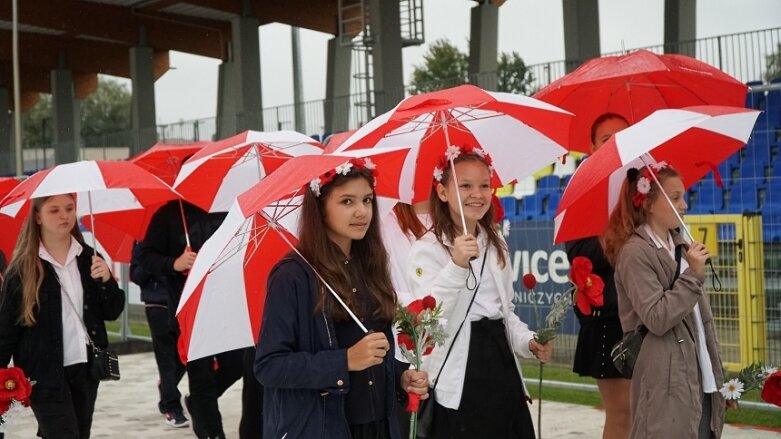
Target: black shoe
x=176, y=419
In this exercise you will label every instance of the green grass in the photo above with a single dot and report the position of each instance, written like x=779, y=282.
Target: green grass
x=531, y=373
x=140, y=329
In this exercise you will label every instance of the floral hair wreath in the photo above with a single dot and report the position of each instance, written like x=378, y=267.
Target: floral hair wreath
x=644, y=181
x=343, y=169
x=453, y=152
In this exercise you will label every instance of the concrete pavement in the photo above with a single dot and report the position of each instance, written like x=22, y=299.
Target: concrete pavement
x=128, y=409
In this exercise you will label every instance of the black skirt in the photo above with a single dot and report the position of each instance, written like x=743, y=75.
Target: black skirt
x=592, y=354
x=493, y=403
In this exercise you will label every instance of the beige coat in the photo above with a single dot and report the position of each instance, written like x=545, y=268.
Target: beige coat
x=666, y=392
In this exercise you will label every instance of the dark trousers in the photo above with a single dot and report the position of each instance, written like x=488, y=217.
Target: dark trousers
x=251, y=425
x=208, y=384
x=493, y=404
x=169, y=367
x=71, y=417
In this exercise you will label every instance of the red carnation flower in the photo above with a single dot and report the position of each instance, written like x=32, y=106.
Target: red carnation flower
x=14, y=386
x=529, y=281
x=406, y=341
x=429, y=302
x=771, y=392
x=415, y=307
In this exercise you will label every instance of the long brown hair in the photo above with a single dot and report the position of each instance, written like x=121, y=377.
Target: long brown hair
x=326, y=257
x=625, y=217
x=443, y=224
x=26, y=264
x=408, y=220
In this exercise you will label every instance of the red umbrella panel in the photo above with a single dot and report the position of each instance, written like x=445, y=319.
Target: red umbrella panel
x=692, y=140
x=119, y=193
x=634, y=86
x=213, y=177
x=10, y=226
x=520, y=134
x=222, y=302
x=164, y=160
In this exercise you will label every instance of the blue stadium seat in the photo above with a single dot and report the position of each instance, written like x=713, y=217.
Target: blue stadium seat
x=755, y=100
x=772, y=203
x=771, y=228
x=743, y=197
x=726, y=169
x=531, y=207
x=753, y=171
x=548, y=184
x=758, y=149
x=510, y=206
x=553, y=204
x=710, y=199
x=773, y=106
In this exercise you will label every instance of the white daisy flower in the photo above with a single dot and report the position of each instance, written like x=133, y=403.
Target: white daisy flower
x=452, y=152
x=732, y=389
x=506, y=228
x=369, y=164
x=660, y=165
x=344, y=168
x=643, y=185
x=767, y=371
x=491, y=169
x=479, y=152
x=314, y=186
x=438, y=173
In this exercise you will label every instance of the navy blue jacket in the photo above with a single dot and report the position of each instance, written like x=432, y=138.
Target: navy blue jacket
x=300, y=364
x=38, y=349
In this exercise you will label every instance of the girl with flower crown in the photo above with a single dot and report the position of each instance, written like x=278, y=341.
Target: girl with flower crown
x=659, y=281
x=480, y=390
x=323, y=376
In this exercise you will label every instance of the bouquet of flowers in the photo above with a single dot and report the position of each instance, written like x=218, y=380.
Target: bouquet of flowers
x=755, y=376
x=15, y=391
x=420, y=329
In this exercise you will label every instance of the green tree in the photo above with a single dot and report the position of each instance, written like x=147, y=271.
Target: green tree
x=773, y=65
x=36, y=123
x=105, y=111
x=443, y=66
x=513, y=76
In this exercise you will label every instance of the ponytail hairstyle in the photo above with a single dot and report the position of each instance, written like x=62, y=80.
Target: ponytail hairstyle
x=408, y=220
x=327, y=258
x=442, y=222
x=638, y=192
x=27, y=265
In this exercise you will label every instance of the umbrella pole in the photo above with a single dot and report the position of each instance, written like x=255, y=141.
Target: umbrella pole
x=184, y=224
x=92, y=223
x=455, y=179
x=274, y=225
x=687, y=235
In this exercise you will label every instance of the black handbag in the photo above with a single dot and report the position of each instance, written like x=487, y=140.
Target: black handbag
x=103, y=365
x=625, y=352
x=426, y=411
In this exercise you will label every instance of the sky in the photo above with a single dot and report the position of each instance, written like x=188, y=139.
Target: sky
x=533, y=28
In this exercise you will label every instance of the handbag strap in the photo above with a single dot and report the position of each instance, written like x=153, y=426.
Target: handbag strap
x=678, y=254
x=458, y=331
x=81, y=320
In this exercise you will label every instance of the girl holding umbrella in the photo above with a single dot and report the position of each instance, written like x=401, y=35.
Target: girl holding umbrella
x=480, y=390
x=659, y=281
x=323, y=375
x=54, y=302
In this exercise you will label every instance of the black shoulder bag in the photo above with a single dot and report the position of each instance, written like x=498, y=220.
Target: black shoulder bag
x=426, y=412
x=103, y=365
x=625, y=352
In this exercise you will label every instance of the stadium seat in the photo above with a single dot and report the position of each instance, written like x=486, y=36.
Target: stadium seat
x=552, y=205
x=510, y=206
x=753, y=171
x=709, y=199
x=549, y=184
x=525, y=187
x=773, y=106
x=566, y=168
x=531, y=207
x=772, y=203
x=743, y=197
x=771, y=227
x=756, y=99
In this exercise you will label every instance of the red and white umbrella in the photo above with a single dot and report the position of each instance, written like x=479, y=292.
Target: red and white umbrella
x=164, y=160
x=635, y=85
x=222, y=302
x=10, y=226
x=213, y=177
x=120, y=193
x=693, y=140
x=520, y=133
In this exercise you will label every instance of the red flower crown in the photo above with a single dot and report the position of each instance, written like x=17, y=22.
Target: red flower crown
x=359, y=163
x=453, y=152
x=645, y=180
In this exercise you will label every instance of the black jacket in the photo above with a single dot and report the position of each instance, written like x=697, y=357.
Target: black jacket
x=38, y=349
x=301, y=365
x=154, y=287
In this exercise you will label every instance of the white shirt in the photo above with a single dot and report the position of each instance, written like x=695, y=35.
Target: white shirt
x=487, y=302
x=398, y=244
x=706, y=367
x=432, y=271
x=74, y=337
